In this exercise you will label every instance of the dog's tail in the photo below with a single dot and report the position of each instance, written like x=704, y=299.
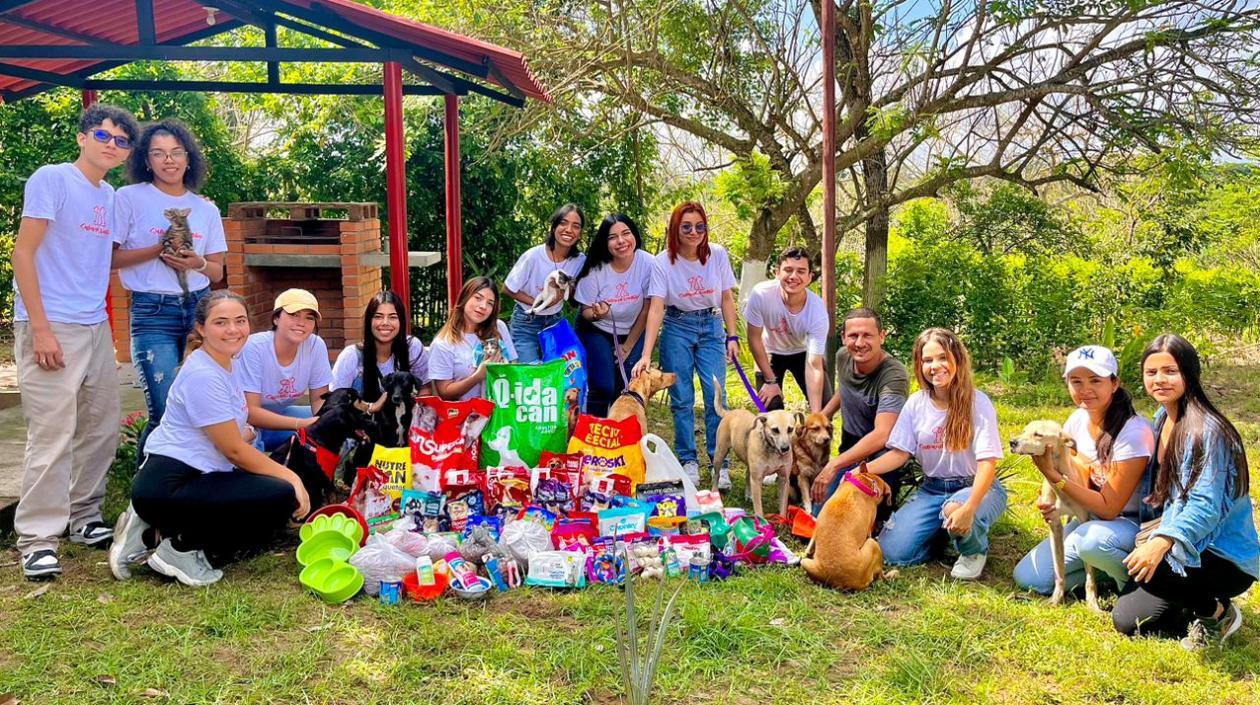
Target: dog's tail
x=717, y=398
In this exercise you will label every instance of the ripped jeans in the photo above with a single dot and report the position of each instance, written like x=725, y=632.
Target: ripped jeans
x=160, y=324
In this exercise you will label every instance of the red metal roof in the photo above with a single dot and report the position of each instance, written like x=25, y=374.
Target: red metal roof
x=182, y=21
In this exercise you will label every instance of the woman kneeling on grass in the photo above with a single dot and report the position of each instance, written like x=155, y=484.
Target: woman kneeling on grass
x=472, y=338
x=202, y=487
x=951, y=430
x=1113, y=447
x=1205, y=550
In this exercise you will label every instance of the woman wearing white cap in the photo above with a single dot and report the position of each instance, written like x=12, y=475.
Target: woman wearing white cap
x=280, y=366
x=1113, y=445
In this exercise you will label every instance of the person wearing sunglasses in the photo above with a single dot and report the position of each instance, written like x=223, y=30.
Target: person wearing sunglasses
x=695, y=319
x=165, y=171
x=65, y=352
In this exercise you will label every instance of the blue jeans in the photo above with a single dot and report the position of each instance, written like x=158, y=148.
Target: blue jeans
x=602, y=371
x=270, y=439
x=160, y=324
x=1099, y=543
x=906, y=538
x=525, y=328
x=693, y=343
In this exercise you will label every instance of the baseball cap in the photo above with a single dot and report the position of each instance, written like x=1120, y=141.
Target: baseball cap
x=1095, y=358
x=294, y=300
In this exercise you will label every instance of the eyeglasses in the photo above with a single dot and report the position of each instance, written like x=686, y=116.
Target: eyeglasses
x=700, y=229
x=103, y=136
x=175, y=155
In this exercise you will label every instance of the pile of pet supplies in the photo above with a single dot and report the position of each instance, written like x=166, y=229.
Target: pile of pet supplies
x=470, y=509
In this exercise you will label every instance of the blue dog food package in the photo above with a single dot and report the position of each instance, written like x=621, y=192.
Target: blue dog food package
x=559, y=342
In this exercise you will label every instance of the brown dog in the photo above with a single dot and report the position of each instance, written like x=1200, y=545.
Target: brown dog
x=762, y=441
x=810, y=450
x=842, y=553
x=634, y=401
x=1047, y=444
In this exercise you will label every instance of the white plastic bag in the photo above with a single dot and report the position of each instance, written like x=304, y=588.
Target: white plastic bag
x=381, y=560
x=523, y=538
x=662, y=466
x=412, y=543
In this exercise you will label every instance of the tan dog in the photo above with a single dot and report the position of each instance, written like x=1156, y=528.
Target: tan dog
x=634, y=401
x=810, y=449
x=762, y=441
x=842, y=553
x=1047, y=445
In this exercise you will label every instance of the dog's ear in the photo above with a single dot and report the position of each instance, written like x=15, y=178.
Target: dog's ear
x=800, y=419
x=1069, y=442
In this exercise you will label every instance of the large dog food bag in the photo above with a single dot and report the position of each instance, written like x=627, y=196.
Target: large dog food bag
x=446, y=438
x=609, y=446
x=529, y=415
x=560, y=342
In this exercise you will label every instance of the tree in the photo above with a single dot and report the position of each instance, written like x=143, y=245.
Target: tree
x=929, y=94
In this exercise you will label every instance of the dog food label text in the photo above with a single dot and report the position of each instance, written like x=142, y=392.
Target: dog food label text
x=529, y=415
x=530, y=403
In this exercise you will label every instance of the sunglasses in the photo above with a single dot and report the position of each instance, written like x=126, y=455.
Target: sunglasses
x=700, y=229
x=103, y=136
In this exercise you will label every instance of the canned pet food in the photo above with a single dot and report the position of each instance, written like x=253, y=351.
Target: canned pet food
x=699, y=570
x=391, y=592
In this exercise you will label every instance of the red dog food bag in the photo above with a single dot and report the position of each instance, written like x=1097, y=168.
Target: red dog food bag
x=446, y=436
x=609, y=447
x=508, y=489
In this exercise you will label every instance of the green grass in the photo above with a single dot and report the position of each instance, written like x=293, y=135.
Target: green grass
x=768, y=636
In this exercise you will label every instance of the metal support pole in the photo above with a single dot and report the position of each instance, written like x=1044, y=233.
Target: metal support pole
x=829, y=163
x=396, y=183
x=454, y=230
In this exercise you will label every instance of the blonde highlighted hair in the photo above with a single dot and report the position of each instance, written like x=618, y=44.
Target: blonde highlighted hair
x=958, y=397
x=453, y=331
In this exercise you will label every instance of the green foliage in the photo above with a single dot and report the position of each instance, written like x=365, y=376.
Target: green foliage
x=750, y=184
x=1007, y=218
x=639, y=664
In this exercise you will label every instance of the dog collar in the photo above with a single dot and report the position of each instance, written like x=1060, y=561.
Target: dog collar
x=852, y=479
x=635, y=396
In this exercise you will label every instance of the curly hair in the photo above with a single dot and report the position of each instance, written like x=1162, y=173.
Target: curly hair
x=138, y=170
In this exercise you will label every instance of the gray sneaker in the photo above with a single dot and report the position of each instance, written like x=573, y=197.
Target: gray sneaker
x=692, y=468
x=724, y=478
x=128, y=546
x=1212, y=632
x=188, y=567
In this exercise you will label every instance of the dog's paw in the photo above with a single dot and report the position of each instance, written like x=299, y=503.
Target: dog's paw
x=891, y=574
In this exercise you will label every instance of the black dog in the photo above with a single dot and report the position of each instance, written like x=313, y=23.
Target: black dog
x=314, y=452
x=392, y=421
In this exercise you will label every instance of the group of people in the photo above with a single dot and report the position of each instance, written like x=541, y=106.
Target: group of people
x=206, y=487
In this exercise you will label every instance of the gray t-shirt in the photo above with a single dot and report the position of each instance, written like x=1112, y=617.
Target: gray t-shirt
x=862, y=397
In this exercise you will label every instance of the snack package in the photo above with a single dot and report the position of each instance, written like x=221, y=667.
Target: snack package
x=371, y=500
x=555, y=496
x=707, y=501
x=666, y=526
x=565, y=466
x=507, y=489
x=529, y=415
x=566, y=536
x=445, y=435
x=605, y=564
x=560, y=342
x=538, y=515
x=668, y=498
x=424, y=509
x=646, y=561
x=557, y=569
x=557, y=481
x=396, y=464
x=462, y=503
x=609, y=447
x=601, y=488
x=689, y=547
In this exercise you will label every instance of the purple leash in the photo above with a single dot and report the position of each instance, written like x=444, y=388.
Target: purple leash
x=748, y=386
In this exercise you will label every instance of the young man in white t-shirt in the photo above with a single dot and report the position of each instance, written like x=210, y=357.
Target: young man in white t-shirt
x=787, y=332
x=63, y=343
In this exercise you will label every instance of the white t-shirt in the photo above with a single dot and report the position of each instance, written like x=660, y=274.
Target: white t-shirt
x=625, y=292
x=1136, y=440
x=920, y=431
x=139, y=222
x=73, y=260
x=691, y=286
x=529, y=274
x=203, y=394
x=348, y=369
x=784, y=332
x=262, y=374
x=456, y=361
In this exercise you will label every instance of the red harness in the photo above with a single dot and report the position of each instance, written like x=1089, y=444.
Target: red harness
x=326, y=459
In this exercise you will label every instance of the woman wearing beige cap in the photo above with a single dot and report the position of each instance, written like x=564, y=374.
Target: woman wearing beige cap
x=280, y=366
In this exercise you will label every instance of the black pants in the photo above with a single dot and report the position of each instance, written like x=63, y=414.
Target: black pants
x=783, y=364
x=1167, y=604
x=221, y=513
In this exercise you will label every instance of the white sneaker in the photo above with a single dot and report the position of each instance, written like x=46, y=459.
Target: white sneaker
x=724, y=479
x=771, y=479
x=969, y=567
x=692, y=468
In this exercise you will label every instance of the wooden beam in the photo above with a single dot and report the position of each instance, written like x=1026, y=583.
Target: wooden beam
x=245, y=87
x=502, y=80
x=146, y=29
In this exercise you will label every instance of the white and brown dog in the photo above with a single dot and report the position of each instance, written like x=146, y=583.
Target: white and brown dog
x=1048, y=446
x=762, y=441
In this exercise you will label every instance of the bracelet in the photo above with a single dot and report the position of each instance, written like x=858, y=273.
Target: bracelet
x=205, y=262
x=732, y=338
x=770, y=381
x=1062, y=482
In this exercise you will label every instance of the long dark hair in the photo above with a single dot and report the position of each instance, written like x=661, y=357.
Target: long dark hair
x=138, y=170
x=598, y=254
x=1195, y=414
x=556, y=219
x=1119, y=411
x=399, y=347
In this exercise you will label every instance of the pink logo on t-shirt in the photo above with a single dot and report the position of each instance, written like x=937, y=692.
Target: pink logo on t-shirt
x=622, y=295
x=781, y=327
x=697, y=288
x=98, y=225
x=938, y=442
x=288, y=389
x=159, y=232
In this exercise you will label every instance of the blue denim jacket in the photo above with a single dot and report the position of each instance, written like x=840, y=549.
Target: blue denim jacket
x=1209, y=517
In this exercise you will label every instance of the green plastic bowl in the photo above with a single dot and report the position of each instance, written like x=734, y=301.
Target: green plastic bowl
x=326, y=544
x=339, y=523
x=335, y=581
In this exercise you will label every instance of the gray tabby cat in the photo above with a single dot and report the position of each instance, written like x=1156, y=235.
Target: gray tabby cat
x=178, y=237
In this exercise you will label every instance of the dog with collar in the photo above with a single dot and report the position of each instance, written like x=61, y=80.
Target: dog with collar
x=314, y=452
x=762, y=441
x=1047, y=444
x=843, y=554
x=634, y=400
